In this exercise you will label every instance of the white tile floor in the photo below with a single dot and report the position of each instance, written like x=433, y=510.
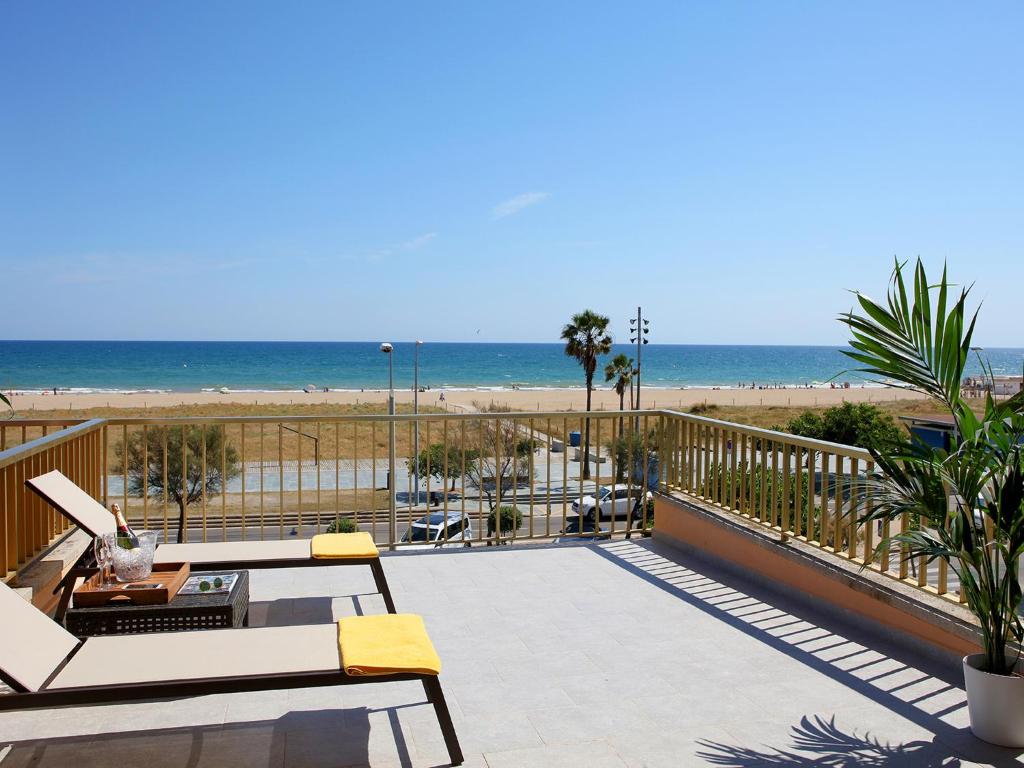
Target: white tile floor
x=624, y=654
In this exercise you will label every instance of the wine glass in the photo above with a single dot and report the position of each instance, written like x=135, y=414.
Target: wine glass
x=102, y=547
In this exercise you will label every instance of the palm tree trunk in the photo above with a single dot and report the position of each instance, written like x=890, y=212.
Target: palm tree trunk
x=586, y=431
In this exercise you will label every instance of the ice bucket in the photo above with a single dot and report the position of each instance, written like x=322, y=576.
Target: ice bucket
x=136, y=563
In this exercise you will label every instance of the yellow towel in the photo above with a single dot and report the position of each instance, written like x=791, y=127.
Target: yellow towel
x=341, y=545
x=386, y=644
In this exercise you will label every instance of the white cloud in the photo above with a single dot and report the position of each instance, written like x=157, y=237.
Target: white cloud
x=417, y=242
x=412, y=244
x=515, y=204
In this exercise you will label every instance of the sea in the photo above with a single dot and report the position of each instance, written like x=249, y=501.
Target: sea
x=258, y=366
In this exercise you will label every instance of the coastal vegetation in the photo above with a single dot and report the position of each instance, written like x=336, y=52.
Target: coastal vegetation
x=343, y=439
x=586, y=338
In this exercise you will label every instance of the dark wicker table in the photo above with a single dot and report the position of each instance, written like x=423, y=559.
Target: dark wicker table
x=184, y=612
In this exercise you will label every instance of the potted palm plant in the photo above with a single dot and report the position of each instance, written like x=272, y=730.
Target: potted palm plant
x=969, y=499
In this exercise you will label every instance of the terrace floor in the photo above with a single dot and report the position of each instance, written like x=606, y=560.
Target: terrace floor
x=619, y=654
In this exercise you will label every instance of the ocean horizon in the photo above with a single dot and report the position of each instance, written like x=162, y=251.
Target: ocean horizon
x=278, y=366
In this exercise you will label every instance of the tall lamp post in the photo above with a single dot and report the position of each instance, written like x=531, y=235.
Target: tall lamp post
x=638, y=330
x=388, y=350
x=416, y=423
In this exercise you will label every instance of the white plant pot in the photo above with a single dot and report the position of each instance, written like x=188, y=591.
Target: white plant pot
x=995, y=704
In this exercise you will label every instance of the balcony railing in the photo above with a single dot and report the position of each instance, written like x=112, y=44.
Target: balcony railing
x=230, y=478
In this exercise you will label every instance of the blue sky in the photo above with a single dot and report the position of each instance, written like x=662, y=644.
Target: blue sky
x=476, y=171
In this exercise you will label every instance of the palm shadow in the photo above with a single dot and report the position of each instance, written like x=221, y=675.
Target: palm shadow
x=820, y=742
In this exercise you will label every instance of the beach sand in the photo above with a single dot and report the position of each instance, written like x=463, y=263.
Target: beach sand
x=520, y=400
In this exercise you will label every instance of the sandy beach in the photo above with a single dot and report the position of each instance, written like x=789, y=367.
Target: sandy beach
x=520, y=400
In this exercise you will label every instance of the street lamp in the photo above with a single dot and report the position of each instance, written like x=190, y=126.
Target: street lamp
x=388, y=350
x=415, y=411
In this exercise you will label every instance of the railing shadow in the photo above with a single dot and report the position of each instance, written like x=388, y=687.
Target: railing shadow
x=757, y=611
x=821, y=742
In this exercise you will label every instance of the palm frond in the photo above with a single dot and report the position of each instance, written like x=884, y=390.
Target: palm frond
x=904, y=341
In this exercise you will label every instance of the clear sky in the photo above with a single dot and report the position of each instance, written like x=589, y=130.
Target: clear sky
x=478, y=171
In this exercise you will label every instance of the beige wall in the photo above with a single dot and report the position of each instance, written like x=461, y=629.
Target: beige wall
x=678, y=522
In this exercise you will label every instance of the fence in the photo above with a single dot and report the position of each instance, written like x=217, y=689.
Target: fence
x=481, y=478
x=797, y=486
x=27, y=524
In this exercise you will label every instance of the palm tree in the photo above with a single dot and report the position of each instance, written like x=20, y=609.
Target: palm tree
x=970, y=499
x=621, y=370
x=586, y=337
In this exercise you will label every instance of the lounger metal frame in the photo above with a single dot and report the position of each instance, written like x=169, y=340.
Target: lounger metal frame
x=85, y=566
x=109, y=694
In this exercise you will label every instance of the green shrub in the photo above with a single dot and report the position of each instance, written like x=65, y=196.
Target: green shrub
x=342, y=525
x=860, y=424
x=511, y=519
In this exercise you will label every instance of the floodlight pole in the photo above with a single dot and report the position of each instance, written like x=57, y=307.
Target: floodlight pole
x=641, y=328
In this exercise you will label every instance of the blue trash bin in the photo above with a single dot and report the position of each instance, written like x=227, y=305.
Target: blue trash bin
x=574, y=439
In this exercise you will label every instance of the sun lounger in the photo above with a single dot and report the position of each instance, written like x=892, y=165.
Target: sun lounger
x=49, y=667
x=325, y=549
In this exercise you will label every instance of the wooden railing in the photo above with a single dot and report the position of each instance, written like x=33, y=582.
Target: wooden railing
x=227, y=478
x=27, y=524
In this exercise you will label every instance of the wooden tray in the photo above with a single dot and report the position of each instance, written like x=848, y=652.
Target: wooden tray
x=167, y=576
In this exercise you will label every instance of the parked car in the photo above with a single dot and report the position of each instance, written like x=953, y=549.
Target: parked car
x=581, y=529
x=614, y=501
x=430, y=531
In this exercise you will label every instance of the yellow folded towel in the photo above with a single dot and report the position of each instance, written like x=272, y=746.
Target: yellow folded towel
x=341, y=545
x=386, y=644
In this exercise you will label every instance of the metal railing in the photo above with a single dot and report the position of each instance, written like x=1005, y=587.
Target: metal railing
x=796, y=486
x=233, y=478
x=485, y=478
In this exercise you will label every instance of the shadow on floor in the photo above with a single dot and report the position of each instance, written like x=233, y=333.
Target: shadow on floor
x=311, y=739
x=291, y=611
x=824, y=643
x=821, y=742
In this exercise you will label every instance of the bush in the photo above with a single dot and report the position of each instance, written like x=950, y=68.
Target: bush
x=342, y=525
x=511, y=519
x=861, y=424
x=702, y=408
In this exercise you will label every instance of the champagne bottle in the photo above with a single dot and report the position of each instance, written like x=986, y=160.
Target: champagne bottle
x=126, y=538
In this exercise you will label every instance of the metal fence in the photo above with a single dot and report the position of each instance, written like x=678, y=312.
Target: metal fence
x=481, y=479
